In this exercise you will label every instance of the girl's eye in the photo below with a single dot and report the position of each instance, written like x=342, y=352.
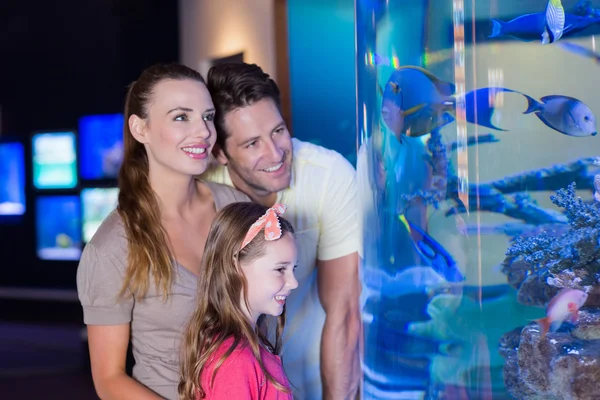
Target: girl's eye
x=209, y=117
x=181, y=117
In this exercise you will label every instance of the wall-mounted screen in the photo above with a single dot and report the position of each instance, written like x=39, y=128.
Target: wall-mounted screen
x=12, y=179
x=97, y=203
x=58, y=227
x=54, y=160
x=101, y=146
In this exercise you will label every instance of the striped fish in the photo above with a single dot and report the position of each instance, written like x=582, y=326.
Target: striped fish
x=555, y=22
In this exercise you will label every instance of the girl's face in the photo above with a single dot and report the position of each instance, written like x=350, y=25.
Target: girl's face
x=270, y=278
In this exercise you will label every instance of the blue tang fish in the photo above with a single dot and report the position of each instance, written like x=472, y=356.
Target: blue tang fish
x=564, y=114
x=441, y=260
x=416, y=102
x=530, y=27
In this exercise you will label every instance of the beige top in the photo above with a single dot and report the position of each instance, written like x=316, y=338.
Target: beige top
x=156, y=325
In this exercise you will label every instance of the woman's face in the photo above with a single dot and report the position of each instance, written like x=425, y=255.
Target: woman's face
x=179, y=132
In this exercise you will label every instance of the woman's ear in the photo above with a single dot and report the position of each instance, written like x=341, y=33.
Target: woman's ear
x=138, y=129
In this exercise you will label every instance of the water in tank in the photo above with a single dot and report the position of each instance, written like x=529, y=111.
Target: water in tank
x=479, y=183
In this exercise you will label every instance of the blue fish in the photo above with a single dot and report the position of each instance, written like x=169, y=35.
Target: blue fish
x=416, y=102
x=529, y=27
x=441, y=260
x=564, y=114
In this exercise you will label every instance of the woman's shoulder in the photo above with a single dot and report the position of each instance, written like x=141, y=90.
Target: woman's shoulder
x=224, y=194
x=110, y=235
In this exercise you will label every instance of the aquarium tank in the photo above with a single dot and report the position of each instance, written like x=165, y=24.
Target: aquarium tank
x=12, y=179
x=58, y=227
x=480, y=188
x=96, y=204
x=54, y=157
x=101, y=146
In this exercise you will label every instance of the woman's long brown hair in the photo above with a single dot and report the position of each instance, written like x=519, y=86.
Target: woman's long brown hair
x=149, y=257
x=219, y=314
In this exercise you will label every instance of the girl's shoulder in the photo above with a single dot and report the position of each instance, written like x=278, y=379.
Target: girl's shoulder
x=241, y=353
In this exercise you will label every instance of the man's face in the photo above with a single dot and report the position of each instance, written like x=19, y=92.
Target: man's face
x=258, y=149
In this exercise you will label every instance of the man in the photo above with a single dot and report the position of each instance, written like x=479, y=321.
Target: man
x=258, y=156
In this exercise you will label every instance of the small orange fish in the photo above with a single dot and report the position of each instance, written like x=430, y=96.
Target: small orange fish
x=566, y=303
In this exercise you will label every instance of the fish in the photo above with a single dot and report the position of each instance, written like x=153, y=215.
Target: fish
x=565, y=304
x=564, y=114
x=416, y=102
x=579, y=50
x=554, y=22
x=529, y=27
x=63, y=241
x=441, y=260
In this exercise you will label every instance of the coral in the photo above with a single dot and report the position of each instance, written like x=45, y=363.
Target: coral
x=580, y=172
x=518, y=206
x=579, y=213
x=507, y=196
x=477, y=139
x=563, y=365
x=577, y=249
x=439, y=162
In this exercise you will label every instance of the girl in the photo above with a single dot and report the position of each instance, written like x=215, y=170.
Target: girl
x=137, y=277
x=247, y=273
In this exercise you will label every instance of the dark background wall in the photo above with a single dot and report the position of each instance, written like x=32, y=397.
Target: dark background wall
x=59, y=61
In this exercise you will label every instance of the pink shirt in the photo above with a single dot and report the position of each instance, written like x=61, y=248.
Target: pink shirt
x=240, y=376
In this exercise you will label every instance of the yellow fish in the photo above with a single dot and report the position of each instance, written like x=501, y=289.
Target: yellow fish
x=555, y=22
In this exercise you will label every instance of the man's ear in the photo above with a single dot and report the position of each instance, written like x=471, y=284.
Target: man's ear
x=219, y=154
x=137, y=127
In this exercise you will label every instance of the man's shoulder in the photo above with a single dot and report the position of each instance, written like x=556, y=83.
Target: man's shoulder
x=309, y=154
x=216, y=173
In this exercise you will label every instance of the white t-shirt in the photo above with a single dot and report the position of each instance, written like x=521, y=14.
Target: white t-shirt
x=322, y=207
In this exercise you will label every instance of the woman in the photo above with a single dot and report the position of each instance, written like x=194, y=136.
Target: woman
x=137, y=278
